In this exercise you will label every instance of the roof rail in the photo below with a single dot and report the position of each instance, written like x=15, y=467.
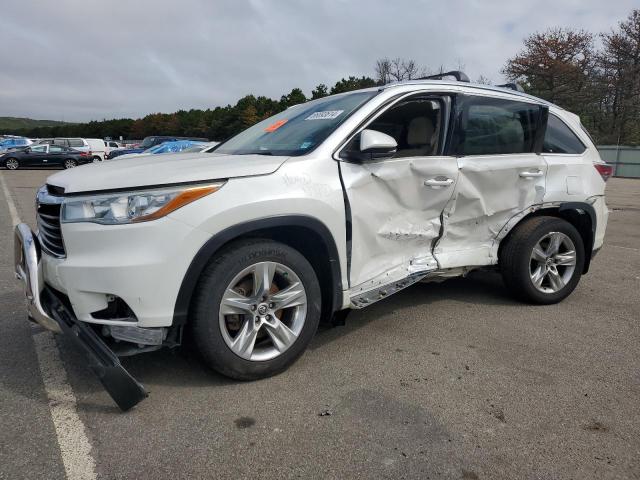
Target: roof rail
x=512, y=86
x=457, y=74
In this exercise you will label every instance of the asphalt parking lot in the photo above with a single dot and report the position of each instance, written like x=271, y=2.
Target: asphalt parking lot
x=450, y=380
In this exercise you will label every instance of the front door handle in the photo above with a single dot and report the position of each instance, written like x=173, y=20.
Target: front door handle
x=527, y=174
x=438, y=182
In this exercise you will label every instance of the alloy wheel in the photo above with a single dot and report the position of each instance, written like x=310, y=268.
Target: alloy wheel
x=69, y=164
x=12, y=164
x=263, y=311
x=553, y=262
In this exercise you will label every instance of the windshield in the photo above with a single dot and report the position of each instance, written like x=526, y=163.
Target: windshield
x=148, y=142
x=157, y=149
x=298, y=129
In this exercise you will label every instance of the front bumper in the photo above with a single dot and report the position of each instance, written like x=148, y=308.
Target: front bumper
x=29, y=271
x=46, y=309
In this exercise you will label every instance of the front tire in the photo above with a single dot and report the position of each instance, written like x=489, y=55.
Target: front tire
x=12, y=164
x=256, y=308
x=542, y=260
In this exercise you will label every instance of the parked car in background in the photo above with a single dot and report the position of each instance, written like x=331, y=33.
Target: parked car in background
x=111, y=146
x=166, y=147
x=94, y=146
x=122, y=151
x=202, y=148
x=44, y=155
x=149, y=142
x=13, y=142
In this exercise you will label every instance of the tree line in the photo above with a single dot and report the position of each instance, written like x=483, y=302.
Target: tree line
x=217, y=124
x=601, y=84
x=561, y=65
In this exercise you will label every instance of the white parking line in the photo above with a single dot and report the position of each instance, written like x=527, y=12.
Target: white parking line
x=74, y=444
x=13, y=212
x=72, y=438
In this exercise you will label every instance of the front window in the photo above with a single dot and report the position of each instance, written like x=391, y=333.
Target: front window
x=298, y=129
x=415, y=124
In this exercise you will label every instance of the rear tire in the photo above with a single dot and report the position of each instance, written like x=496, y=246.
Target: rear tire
x=542, y=260
x=12, y=163
x=237, y=325
x=70, y=163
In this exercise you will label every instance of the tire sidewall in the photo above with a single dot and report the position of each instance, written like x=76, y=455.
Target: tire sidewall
x=553, y=225
x=217, y=276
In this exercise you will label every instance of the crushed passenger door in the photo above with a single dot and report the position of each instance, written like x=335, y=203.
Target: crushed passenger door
x=396, y=203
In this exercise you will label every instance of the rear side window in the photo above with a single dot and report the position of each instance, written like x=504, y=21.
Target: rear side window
x=560, y=139
x=493, y=126
x=76, y=142
x=60, y=141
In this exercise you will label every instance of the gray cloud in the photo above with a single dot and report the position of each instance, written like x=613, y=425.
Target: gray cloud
x=81, y=60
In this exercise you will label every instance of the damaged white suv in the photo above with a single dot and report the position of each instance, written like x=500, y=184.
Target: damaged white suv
x=330, y=205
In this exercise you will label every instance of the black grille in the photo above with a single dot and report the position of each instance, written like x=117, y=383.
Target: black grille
x=49, y=231
x=55, y=190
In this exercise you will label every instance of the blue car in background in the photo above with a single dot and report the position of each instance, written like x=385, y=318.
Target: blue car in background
x=166, y=147
x=14, y=142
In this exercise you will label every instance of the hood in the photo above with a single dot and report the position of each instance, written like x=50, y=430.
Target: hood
x=150, y=170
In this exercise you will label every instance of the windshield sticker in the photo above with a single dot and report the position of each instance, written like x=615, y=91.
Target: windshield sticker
x=305, y=145
x=275, y=125
x=326, y=115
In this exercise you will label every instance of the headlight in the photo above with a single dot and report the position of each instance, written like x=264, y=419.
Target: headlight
x=132, y=207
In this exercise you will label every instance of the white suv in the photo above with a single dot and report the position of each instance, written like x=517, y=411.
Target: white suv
x=93, y=146
x=330, y=205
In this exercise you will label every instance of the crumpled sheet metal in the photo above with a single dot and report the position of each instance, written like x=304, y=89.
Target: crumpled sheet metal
x=483, y=202
x=391, y=232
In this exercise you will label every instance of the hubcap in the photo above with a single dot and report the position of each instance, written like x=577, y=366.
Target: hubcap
x=69, y=164
x=553, y=262
x=262, y=311
x=12, y=164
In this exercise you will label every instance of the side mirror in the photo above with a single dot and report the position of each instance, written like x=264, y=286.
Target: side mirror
x=374, y=142
x=27, y=150
x=372, y=145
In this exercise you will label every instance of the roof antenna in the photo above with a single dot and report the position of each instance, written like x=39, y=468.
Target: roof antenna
x=457, y=74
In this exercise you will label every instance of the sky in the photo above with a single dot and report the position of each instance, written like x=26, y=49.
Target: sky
x=80, y=60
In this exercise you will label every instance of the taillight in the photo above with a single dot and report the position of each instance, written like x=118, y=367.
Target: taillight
x=604, y=170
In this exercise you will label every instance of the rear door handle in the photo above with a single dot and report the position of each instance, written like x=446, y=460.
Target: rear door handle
x=438, y=182
x=527, y=174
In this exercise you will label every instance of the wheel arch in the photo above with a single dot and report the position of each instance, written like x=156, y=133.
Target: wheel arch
x=308, y=235
x=579, y=214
